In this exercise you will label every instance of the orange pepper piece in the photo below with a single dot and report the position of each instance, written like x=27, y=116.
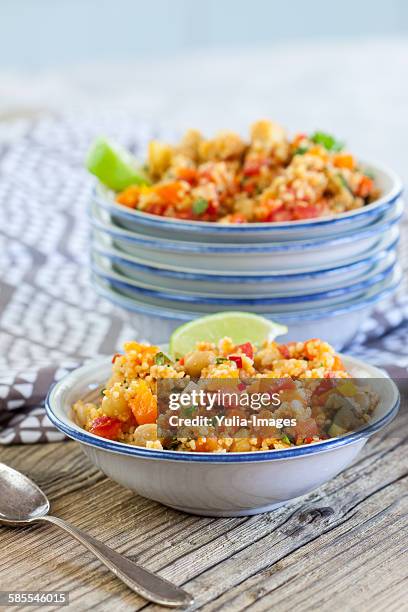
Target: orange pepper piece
x=206, y=445
x=344, y=160
x=187, y=174
x=365, y=187
x=144, y=405
x=129, y=196
x=338, y=364
x=170, y=193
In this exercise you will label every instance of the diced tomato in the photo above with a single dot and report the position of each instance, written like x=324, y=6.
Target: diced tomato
x=252, y=167
x=185, y=214
x=321, y=393
x=308, y=440
x=298, y=138
x=307, y=429
x=284, y=351
x=324, y=385
x=247, y=349
x=241, y=387
x=106, y=427
x=156, y=209
x=280, y=215
x=365, y=187
x=309, y=348
x=212, y=210
x=282, y=384
x=249, y=187
x=181, y=361
x=116, y=355
x=206, y=172
x=190, y=175
x=308, y=211
x=236, y=359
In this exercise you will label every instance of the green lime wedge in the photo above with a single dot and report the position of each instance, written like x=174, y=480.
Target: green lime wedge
x=239, y=326
x=114, y=166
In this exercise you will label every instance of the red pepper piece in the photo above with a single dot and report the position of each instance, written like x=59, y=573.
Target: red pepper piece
x=247, y=349
x=236, y=359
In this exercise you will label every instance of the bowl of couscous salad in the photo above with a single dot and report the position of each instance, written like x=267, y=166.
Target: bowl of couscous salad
x=321, y=412
x=267, y=184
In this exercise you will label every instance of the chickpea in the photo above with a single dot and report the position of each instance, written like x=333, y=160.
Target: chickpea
x=241, y=445
x=115, y=405
x=145, y=433
x=196, y=361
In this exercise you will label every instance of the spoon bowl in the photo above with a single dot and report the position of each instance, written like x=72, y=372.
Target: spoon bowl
x=21, y=501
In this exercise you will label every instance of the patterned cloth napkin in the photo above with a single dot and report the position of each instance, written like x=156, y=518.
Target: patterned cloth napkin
x=51, y=319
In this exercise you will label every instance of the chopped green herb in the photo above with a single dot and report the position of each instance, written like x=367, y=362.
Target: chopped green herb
x=101, y=392
x=327, y=141
x=162, y=359
x=188, y=412
x=200, y=206
x=221, y=360
x=344, y=183
x=370, y=174
x=300, y=150
x=286, y=439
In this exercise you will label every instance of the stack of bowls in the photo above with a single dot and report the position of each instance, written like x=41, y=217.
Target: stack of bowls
x=319, y=276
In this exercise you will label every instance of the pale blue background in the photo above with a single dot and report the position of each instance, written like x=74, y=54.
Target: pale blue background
x=37, y=34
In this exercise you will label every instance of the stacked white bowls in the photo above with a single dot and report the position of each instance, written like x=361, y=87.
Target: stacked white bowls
x=320, y=277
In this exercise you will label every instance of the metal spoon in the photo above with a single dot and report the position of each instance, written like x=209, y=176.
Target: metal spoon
x=23, y=503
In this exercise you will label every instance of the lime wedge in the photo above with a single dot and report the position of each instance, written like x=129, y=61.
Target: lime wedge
x=239, y=326
x=114, y=166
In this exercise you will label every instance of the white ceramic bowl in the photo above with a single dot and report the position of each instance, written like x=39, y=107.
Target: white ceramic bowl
x=260, y=305
x=347, y=269
x=210, y=484
x=153, y=225
x=338, y=325
x=274, y=292
x=286, y=256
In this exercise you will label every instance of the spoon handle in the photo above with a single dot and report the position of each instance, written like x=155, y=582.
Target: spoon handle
x=141, y=581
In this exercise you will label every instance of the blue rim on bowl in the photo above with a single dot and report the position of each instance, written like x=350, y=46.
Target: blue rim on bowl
x=80, y=435
x=127, y=259
x=240, y=302
x=339, y=220
x=160, y=311
x=299, y=246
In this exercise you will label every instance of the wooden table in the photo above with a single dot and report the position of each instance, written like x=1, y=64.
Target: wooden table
x=343, y=547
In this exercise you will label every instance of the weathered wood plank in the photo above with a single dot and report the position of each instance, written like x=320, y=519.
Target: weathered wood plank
x=340, y=548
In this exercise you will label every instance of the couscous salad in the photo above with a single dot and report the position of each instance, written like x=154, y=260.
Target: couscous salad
x=308, y=378
x=268, y=177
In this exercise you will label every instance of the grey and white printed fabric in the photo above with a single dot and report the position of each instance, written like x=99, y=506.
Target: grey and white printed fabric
x=51, y=319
